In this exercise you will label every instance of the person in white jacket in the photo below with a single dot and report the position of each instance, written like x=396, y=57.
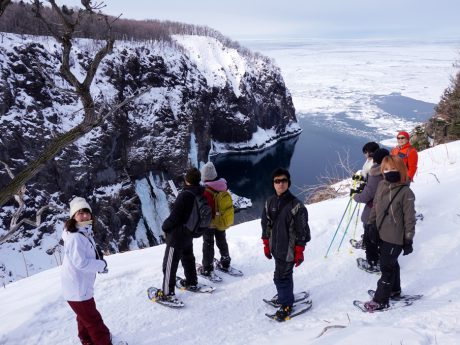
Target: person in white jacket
x=82, y=260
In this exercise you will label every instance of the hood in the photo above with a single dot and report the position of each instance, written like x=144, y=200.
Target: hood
x=219, y=185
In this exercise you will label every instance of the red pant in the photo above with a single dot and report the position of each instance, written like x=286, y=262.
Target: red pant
x=91, y=328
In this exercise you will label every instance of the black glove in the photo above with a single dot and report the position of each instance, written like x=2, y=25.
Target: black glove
x=407, y=248
x=357, y=177
x=360, y=188
x=353, y=191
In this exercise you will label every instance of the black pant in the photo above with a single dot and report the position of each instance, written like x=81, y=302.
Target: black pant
x=208, y=247
x=372, y=249
x=284, y=282
x=171, y=262
x=390, y=281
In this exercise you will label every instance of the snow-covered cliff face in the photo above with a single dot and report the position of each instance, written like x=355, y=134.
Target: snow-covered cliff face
x=204, y=99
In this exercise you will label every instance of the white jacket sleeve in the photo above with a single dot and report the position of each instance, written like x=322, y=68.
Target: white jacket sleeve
x=80, y=252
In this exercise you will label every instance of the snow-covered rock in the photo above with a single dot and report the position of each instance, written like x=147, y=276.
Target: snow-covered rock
x=204, y=98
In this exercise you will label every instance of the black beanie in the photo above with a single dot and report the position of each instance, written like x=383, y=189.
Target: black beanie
x=193, y=176
x=380, y=154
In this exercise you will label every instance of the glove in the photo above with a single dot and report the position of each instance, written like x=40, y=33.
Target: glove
x=298, y=255
x=105, y=270
x=357, y=177
x=267, y=248
x=407, y=248
x=358, y=190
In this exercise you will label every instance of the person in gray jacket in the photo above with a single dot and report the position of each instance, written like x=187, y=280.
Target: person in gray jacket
x=367, y=196
x=393, y=218
x=285, y=232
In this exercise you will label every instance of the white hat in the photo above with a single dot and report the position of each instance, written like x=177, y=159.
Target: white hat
x=78, y=204
x=208, y=172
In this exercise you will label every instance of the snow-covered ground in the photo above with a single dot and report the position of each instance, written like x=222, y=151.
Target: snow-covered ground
x=33, y=312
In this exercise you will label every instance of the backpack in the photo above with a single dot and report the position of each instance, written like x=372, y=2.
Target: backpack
x=224, y=210
x=200, y=217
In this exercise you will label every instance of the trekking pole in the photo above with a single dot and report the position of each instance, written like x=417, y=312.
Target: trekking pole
x=346, y=229
x=356, y=225
x=356, y=222
x=340, y=223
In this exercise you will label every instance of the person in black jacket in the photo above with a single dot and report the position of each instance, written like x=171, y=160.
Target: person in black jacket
x=285, y=232
x=179, y=240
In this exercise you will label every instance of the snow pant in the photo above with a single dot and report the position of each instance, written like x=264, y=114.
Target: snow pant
x=91, y=328
x=284, y=282
x=390, y=281
x=171, y=262
x=372, y=249
x=208, y=248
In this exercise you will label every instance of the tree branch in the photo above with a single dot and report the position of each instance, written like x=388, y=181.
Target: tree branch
x=3, y=5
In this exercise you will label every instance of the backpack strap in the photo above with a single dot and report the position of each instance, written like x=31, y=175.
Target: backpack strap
x=388, y=207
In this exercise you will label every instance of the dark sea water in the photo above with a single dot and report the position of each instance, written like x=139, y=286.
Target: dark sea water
x=312, y=155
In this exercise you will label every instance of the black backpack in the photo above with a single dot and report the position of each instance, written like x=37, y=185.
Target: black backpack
x=200, y=217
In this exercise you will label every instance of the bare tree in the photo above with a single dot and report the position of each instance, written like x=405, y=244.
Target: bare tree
x=93, y=117
x=3, y=5
x=15, y=223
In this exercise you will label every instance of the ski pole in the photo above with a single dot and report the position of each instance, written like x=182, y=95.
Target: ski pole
x=340, y=223
x=346, y=229
x=356, y=225
x=356, y=222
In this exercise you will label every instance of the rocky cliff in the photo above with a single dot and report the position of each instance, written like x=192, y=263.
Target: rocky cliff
x=204, y=98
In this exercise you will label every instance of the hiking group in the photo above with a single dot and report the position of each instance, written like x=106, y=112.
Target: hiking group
x=204, y=208
x=388, y=216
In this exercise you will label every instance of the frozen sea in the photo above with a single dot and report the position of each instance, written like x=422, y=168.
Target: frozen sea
x=346, y=93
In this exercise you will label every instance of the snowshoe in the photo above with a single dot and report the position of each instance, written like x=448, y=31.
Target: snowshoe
x=228, y=270
x=282, y=315
x=366, y=266
x=398, y=297
x=367, y=307
x=201, y=288
x=209, y=275
x=298, y=297
x=157, y=296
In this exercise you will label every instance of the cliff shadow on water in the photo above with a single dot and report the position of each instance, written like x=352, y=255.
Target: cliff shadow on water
x=249, y=174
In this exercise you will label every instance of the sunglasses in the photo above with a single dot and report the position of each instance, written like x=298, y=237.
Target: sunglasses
x=281, y=180
x=400, y=138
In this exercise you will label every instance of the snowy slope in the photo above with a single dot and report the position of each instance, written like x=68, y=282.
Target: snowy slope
x=32, y=311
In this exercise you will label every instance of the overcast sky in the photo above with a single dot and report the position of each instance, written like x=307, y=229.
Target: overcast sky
x=241, y=19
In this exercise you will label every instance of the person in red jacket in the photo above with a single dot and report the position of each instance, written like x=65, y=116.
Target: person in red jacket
x=407, y=152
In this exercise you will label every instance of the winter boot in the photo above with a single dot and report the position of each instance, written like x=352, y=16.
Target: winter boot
x=190, y=287
x=372, y=266
x=283, y=312
x=225, y=262
x=372, y=306
x=204, y=272
x=171, y=297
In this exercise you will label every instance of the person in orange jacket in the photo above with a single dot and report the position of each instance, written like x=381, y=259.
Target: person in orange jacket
x=407, y=152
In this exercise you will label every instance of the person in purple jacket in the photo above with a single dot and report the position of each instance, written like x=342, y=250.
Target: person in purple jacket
x=366, y=197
